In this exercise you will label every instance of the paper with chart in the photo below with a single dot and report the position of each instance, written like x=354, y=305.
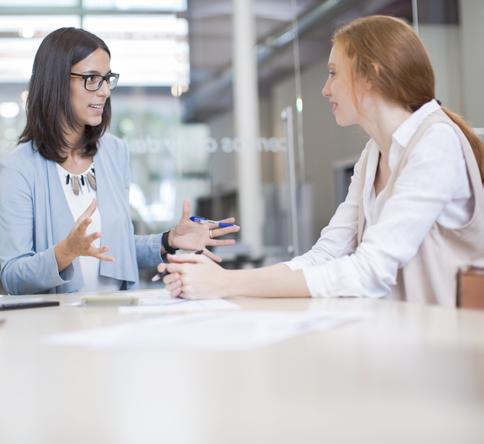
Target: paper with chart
x=223, y=330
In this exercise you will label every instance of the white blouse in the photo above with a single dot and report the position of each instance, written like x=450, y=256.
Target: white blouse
x=93, y=281
x=433, y=186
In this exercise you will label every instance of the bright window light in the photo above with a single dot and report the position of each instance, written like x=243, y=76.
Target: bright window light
x=145, y=50
x=149, y=50
x=17, y=53
x=38, y=3
x=159, y=5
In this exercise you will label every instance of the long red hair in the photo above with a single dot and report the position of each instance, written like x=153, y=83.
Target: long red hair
x=387, y=52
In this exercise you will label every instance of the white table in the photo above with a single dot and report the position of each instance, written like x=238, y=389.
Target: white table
x=407, y=374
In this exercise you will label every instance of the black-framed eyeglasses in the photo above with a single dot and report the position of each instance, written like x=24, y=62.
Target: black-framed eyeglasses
x=93, y=82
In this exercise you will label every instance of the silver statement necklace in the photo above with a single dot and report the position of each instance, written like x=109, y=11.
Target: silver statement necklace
x=88, y=179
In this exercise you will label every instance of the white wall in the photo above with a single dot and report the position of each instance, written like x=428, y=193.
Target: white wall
x=457, y=55
x=472, y=67
x=444, y=45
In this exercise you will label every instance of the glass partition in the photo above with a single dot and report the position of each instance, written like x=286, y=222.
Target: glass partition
x=238, y=94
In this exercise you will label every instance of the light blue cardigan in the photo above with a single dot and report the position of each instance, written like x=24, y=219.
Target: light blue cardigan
x=34, y=217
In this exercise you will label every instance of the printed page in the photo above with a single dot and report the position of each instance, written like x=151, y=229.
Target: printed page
x=233, y=330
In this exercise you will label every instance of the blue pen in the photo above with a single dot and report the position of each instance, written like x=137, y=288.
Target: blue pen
x=204, y=220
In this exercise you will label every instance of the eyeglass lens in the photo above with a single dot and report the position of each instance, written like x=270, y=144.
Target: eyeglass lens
x=93, y=83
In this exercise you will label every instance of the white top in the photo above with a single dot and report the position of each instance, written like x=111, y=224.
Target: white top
x=433, y=186
x=93, y=281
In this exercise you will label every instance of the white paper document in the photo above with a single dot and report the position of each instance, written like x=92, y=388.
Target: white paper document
x=179, y=306
x=234, y=330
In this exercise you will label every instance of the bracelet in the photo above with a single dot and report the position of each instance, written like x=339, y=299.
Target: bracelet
x=166, y=245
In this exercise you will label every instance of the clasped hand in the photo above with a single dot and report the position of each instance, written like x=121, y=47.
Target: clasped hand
x=194, y=276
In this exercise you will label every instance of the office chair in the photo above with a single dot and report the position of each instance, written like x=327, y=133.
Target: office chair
x=470, y=288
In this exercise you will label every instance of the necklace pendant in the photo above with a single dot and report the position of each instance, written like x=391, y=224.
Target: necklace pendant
x=75, y=185
x=91, y=179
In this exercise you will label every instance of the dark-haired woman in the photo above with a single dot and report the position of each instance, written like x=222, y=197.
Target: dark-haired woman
x=414, y=212
x=67, y=182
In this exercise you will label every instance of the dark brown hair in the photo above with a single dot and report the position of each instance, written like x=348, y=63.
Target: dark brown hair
x=387, y=52
x=49, y=110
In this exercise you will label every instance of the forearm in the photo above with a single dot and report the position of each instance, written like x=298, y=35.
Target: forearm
x=274, y=281
x=35, y=273
x=63, y=256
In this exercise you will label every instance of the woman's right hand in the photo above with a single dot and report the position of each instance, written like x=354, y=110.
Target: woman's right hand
x=194, y=276
x=78, y=243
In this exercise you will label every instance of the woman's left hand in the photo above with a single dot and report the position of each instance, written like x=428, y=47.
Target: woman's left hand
x=188, y=235
x=194, y=276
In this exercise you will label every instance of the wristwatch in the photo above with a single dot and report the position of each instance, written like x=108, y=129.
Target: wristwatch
x=166, y=245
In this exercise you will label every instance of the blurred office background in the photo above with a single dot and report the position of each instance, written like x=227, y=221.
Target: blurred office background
x=219, y=102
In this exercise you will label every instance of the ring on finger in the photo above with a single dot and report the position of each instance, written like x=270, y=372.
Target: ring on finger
x=210, y=234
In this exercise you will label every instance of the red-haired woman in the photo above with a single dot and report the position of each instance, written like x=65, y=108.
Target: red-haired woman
x=414, y=212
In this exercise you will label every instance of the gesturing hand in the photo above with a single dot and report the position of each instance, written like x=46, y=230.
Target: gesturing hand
x=188, y=235
x=78, y=243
